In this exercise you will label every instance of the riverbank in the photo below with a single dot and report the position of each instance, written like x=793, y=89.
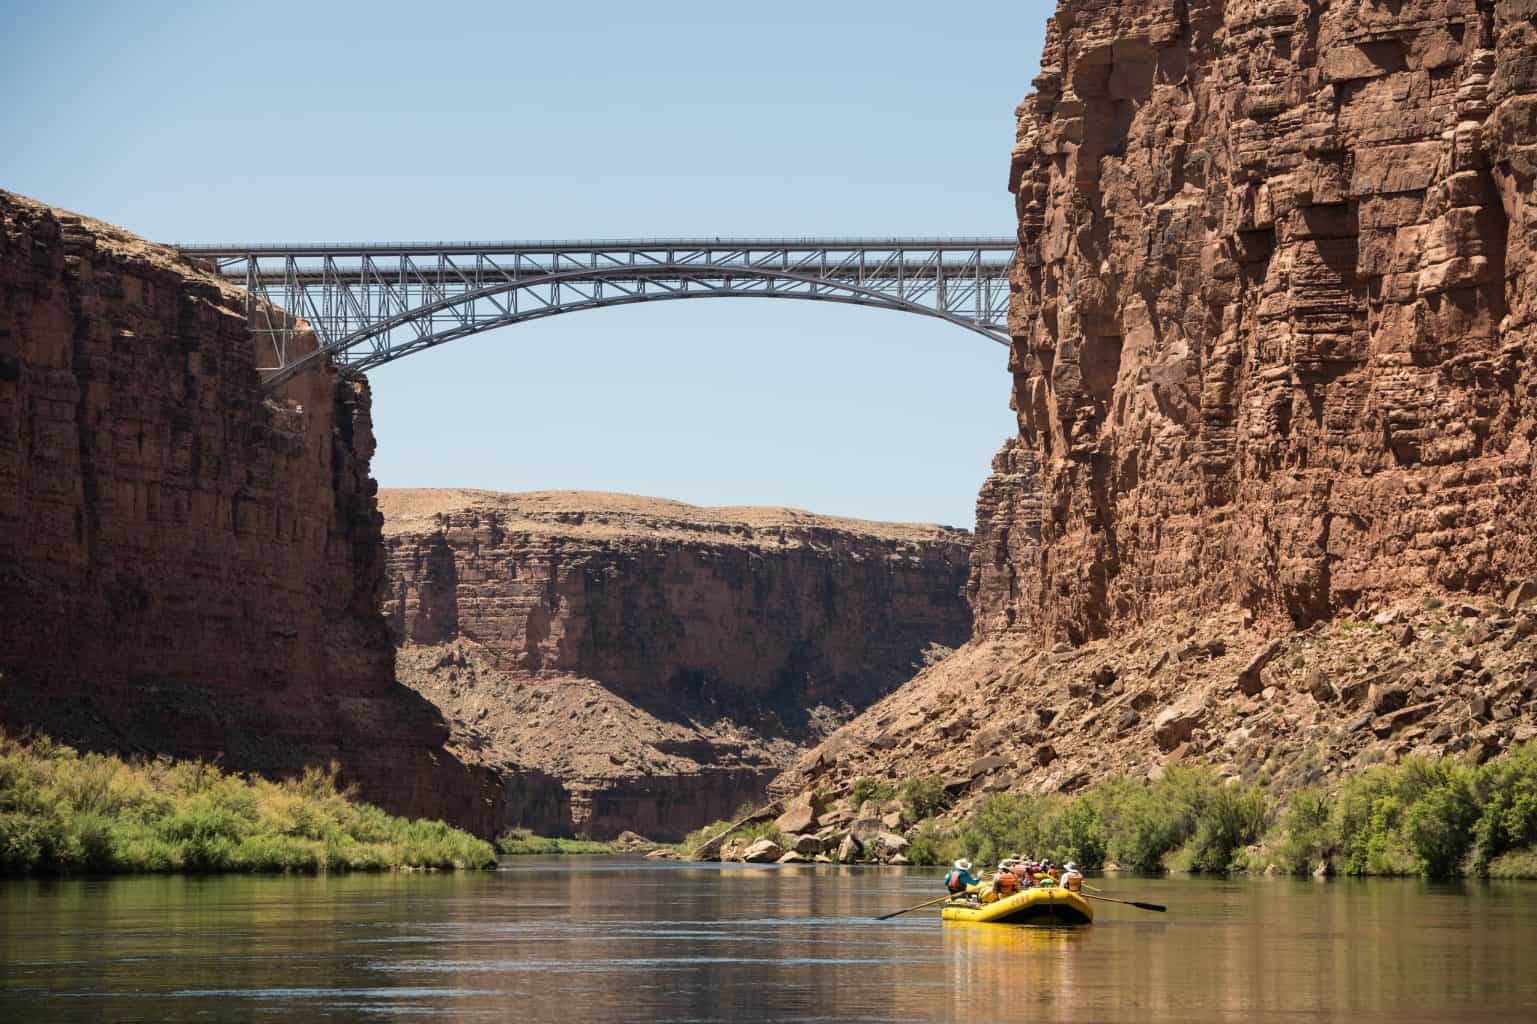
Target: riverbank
x=1432, y=817
x=64, y=812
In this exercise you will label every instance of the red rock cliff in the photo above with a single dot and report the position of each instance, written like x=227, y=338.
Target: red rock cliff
x=1274, y=320
x=187, y=566
x=662, y=660
x=1274, y=332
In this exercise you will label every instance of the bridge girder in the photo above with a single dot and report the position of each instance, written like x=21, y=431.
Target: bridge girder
x=371, y=304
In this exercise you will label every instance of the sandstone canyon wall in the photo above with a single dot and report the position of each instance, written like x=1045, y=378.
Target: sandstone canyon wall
x=1274, y=327
x=188, y=566
x=661, y=661
x=1274, y=319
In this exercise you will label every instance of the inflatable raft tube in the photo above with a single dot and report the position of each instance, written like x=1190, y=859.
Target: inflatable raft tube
x=1045, y=905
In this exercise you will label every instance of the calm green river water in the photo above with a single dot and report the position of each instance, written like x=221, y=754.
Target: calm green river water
x=607, y=940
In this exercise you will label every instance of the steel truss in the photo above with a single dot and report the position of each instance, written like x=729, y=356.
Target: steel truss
x=370, y=304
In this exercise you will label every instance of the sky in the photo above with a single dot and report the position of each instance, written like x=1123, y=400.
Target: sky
x=289, y=122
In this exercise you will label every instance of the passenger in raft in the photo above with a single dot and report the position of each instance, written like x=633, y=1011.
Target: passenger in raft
x=1072, y=878
x=1006, y=882
x=1021, y=868
x=960, y=878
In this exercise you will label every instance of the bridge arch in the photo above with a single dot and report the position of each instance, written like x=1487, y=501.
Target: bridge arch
x=370, y=305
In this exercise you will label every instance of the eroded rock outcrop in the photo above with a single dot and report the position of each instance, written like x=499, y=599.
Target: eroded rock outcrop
x=661, y=661
x=1273, y=357
x=1273, y=333
x=187, y=566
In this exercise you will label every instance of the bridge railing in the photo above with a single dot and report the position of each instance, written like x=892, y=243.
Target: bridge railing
x=371, y=304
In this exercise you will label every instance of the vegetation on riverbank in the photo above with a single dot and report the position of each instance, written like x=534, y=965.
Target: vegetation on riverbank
x=1435, y=818
x=521, y=842
x=63, y=812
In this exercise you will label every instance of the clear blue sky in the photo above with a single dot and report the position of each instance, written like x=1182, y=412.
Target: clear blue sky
x=407, y=121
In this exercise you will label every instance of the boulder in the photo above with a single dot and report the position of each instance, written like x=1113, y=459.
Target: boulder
x=892, y=820
x=1388, y=697
x=763, y=851
x=806, y=845
x=1386, y=725
x=1045, y=754
x=899, y=859
x=822, y=858
x=1319, y=687
x=848, y=850
x=792, y=858
x=1249, y=678
x=663, y=853
x=1354, y=693
x=888, y=845
x=983, y=765
x=800, y=814
x=1478, y=707
x=1521, y=593
x=987, y=739
x=865, y=829
x=1128, y=720
x=1173, y=727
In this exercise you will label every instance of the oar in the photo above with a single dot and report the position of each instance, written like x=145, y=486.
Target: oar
x=1159, y=907
x=919, y=906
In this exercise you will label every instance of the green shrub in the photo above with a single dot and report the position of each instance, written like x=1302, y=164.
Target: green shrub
x=931, y=844
x=61, y=812
x=1508, y=817
x=871, y=789
x=1077, y=833
x=1308, y=837
x=702, y=835
x=522, y=842
x=925, y=796
x=1227, y=820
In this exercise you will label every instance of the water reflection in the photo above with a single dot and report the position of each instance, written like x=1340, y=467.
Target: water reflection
x=621, y=940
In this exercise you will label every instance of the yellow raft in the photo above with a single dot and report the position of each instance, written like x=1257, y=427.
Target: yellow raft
x=1041, y=905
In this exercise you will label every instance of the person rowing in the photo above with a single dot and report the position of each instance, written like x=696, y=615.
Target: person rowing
x=959, y=879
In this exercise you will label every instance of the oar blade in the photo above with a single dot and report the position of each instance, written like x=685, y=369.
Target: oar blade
x=1159, y=907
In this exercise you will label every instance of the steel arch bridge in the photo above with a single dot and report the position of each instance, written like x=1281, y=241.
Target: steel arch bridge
x=374, y=303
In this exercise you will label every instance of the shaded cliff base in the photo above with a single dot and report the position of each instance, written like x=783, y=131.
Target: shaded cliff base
x=67, y=812
x=387, y=747
x=577, y=758
x=1430, y=674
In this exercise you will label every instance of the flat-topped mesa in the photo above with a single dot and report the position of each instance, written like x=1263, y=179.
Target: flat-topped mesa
x=1273, y=327
x=663, y=661
x=188, y=566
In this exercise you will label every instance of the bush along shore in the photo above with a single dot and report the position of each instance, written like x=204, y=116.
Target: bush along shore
x=1441, y=818
x=66, y=812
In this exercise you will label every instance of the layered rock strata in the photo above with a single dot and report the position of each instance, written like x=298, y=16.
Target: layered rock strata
x=661, y=661
x=1274, y=319
x=189, y=566
x=1274, y=327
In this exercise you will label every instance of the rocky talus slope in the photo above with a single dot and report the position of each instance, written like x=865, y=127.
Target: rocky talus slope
x=660, y=662
x=1274, y=332
x=190, y=567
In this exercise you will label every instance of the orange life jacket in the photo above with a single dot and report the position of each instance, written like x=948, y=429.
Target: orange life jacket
x=1007, y=883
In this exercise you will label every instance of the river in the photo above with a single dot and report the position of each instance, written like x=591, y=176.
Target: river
x=621, y=940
